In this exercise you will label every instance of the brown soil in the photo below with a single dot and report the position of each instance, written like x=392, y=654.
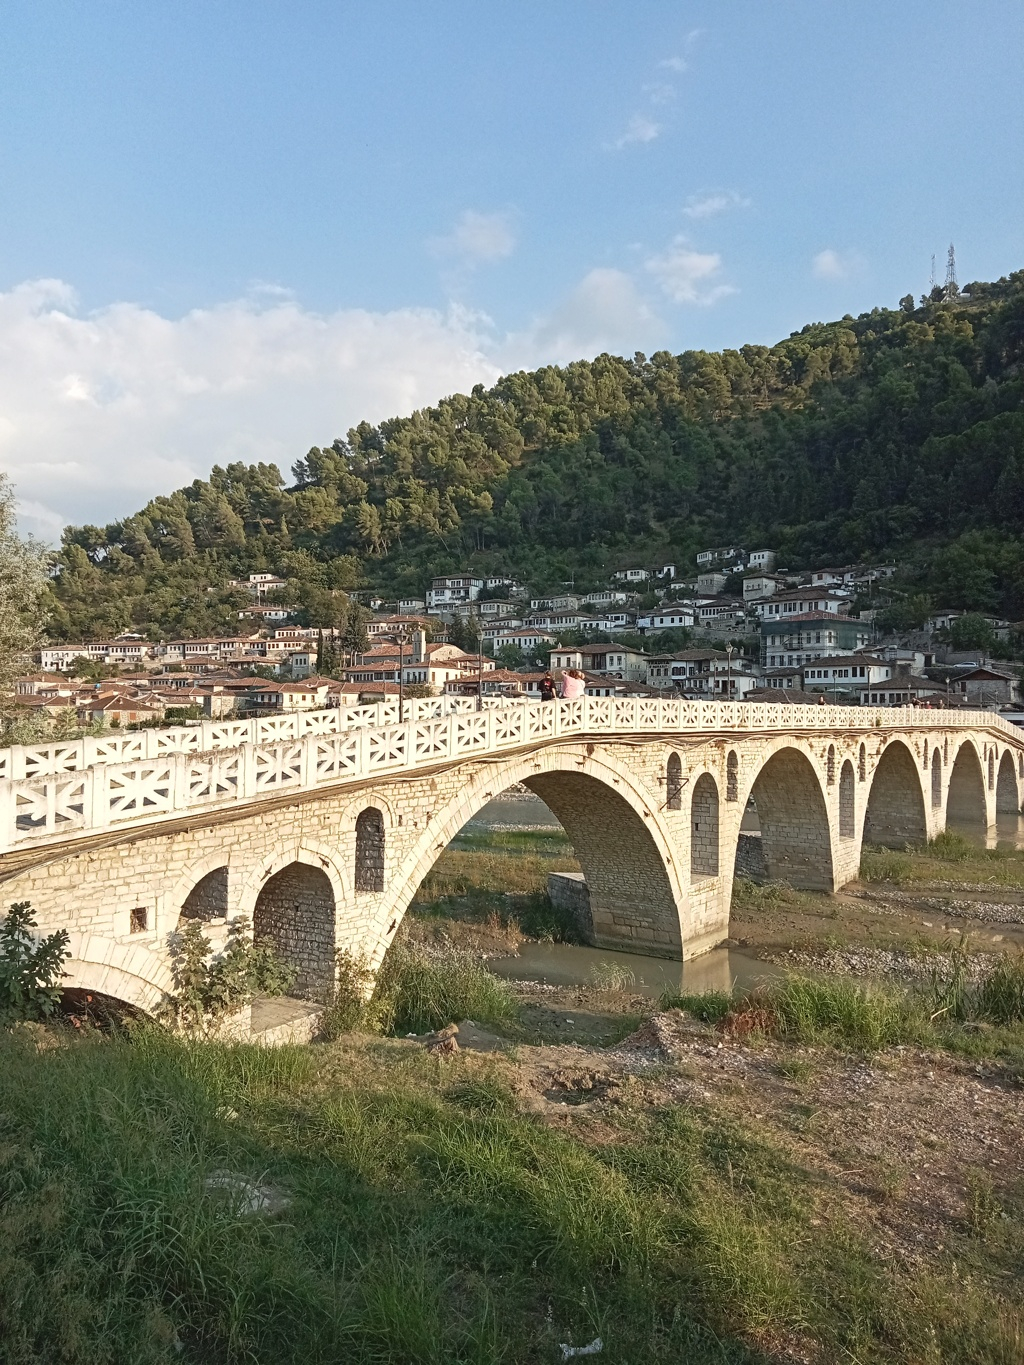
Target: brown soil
x=921, y=1150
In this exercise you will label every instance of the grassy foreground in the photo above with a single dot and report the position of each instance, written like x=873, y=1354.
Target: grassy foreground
x=425, y=1213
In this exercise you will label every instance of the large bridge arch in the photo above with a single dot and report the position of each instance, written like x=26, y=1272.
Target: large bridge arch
x=636, y=881
x=965, y=797
x=792, y=811
x=896, y=814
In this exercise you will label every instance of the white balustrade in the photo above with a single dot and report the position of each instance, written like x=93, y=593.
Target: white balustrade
x=47, y=792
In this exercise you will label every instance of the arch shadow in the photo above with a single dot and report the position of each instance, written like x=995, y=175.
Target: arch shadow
x=965, y=798
x=895, y=814
x=295, y=912
x=632, y=903
x=1007, y=795
x=796, y=842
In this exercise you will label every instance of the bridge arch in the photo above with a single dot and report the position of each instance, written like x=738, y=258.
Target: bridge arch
x=847, y=801
x=965, y=798
x=936, y=779
x=133, y=973
x=208, y=898
x=1007, y=795
x=796, y=839
x=895, y=814
x=638, y=894
x=704, y=829
x=296, y=912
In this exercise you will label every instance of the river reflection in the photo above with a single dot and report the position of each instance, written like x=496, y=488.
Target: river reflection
x=1007, y=832
x=563, y=964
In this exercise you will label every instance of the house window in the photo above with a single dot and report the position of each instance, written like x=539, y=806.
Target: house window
x=138, y=921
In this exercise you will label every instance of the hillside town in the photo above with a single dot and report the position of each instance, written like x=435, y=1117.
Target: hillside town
x=746, y=630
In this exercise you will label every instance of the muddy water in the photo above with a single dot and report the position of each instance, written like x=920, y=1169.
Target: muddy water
x=562, y=964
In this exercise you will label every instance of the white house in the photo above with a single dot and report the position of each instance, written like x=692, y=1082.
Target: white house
x=605, y=597
x=631, y=575
x=565, y=601
x=844, y=672
x=526, y=638
x=667, y=617
x=453, y=590
x=802, y=600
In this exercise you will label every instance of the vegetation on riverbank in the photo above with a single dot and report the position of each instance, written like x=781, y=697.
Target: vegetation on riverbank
x=949, y=857
x=426, y=1213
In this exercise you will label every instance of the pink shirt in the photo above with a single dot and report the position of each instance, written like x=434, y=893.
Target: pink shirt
x=573, y=688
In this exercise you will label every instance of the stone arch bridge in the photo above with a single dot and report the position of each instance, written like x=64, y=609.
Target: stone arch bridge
x=320, y=827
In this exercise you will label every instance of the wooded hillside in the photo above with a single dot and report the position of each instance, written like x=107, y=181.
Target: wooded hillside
x=899, y=433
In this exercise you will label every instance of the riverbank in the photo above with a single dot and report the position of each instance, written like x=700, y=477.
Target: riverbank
x=683, y=1194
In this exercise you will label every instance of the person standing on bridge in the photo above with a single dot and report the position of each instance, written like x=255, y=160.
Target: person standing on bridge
x=573, y=684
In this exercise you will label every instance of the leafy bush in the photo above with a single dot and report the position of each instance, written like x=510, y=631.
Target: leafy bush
x=348, y=1008
x=30, y=968
x=416, y=993
x=951, y=847
x=208, y=986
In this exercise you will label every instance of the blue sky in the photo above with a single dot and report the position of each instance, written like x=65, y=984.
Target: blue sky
x=231, y=230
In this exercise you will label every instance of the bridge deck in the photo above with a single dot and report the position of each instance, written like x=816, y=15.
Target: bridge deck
x=51, y=794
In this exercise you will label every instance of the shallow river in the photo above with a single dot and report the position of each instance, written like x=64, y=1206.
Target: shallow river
x=562, y=964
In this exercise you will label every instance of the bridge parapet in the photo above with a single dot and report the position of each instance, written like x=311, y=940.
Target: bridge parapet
x=254, y=761
x=32, y=760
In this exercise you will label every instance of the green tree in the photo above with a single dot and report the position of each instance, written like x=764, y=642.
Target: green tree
x=971, y=631
x=23, y=595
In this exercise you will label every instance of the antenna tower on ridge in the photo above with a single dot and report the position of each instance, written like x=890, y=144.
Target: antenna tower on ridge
x=951, y=289
x=931, y=278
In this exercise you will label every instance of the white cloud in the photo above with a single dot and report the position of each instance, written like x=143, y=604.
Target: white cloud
x=686, y=275
x=835, y=265
x=710, y=203
x=638, y=129
x=100, y=412
x=478, y=238
x=673, y=64
x=604, y=312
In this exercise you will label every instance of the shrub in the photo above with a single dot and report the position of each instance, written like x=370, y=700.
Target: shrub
x=348, y=1008
x=208, y=986
x=951, y=847
x=416, y=993
x=30, y=968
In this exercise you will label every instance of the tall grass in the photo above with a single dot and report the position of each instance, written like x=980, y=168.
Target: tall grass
x=847, y=1013
x=428, y=1222
x=416, y=993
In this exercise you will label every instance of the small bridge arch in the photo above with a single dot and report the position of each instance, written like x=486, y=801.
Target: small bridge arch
x=1007, y=793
